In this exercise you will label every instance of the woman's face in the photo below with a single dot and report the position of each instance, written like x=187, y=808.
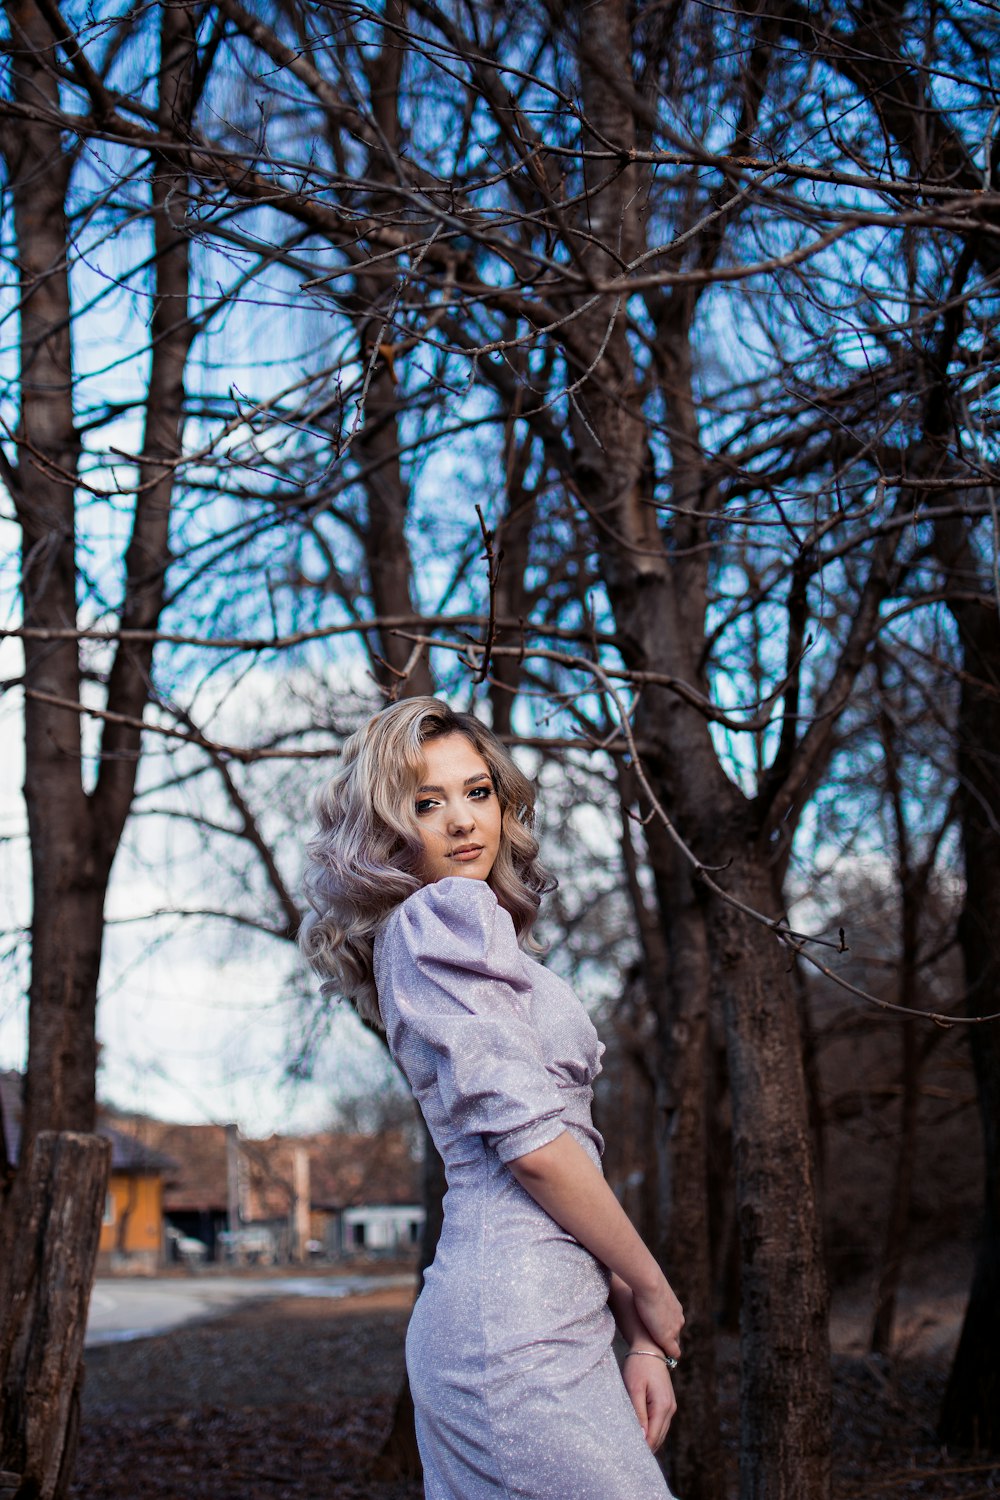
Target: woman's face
x=458, y=812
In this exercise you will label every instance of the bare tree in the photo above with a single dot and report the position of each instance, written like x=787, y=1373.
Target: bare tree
x=694, y=303
x=75, y=827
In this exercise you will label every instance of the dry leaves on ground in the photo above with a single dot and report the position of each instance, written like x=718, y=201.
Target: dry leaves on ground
x=291, y=1400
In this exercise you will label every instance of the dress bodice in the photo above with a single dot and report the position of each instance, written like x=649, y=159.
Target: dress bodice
x=497, y=1049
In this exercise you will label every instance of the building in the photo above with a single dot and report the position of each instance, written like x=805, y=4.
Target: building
x=174, y=1188
x=380, y=1229
x=132, y=1230
x=363, y=1192
x=196, y=1187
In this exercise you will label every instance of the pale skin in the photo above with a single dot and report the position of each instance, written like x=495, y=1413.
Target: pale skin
x=459, y=818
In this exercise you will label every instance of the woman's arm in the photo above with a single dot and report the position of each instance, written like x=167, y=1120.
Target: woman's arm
x=646, y=1376
x=631, y=1327
x=564, y=1181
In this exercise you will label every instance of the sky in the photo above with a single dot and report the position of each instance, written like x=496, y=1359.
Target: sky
x=196, y=1022
x=201, y=1019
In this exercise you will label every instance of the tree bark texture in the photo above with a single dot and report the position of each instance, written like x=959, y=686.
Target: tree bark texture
x=46, y=1282
x=681, y=1005
x=68, y=899
x=970, y=1416
x=785, y=1378
x=379, y=440
x=784, y=1339
x=901, y=1193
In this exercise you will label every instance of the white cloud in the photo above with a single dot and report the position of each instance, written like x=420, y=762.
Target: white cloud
x=197, y=1019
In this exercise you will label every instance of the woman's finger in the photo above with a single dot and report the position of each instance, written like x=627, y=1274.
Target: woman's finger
x=652, y=1395
x=661, y=1406
x=637, y=1395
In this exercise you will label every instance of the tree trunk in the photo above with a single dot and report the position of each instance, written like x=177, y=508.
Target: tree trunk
x=59, y=1092
x=784, y=1340
x=694, y=1449
x=379, y=440
x=45, y=1294
x=74, y=833
x=970, y=1416
x=660, y=599
x=898, y=1220
x=723, y=1219
x=399, y=1457
x=694, y=1453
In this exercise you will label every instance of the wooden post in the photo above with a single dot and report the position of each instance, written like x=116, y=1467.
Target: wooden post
x=58, y=1200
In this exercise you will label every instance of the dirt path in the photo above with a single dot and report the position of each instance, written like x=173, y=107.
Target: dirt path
x=290, y=1400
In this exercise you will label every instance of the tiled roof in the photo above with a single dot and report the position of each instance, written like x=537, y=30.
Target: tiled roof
x=131, y=1155
x=196, y=1178
x=345, y=1169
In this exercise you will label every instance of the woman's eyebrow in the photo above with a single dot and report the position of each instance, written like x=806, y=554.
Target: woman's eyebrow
x=469, y=781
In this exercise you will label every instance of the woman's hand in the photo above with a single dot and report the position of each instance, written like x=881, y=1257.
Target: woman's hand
x=651, y=1392
x=662, y=1314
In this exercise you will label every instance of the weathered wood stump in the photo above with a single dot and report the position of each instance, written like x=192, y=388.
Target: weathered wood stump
x=57, y=1204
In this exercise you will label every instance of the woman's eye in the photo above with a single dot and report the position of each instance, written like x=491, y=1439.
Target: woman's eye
x=481, y=793
x=425, y=804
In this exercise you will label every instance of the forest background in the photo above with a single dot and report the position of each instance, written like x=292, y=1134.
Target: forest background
x=627, y=371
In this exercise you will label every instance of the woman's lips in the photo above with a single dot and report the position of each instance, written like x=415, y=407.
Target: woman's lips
x=465, y=855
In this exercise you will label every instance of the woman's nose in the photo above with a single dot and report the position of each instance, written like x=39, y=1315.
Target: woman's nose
x=460, y=818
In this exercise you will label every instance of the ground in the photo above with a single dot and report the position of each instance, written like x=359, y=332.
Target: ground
x=289, y=1400
x=283, y=1398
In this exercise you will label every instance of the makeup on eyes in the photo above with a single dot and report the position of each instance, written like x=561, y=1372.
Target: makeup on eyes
x=479, y=793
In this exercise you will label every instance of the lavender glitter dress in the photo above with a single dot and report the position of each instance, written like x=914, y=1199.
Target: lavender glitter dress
x=516, y=1389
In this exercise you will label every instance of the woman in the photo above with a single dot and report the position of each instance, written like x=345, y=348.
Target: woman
x=424, y=883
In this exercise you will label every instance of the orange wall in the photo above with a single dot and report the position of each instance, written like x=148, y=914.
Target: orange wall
x=141, y=1198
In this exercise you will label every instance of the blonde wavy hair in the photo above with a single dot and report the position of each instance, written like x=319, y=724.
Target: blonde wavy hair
x=366, y=857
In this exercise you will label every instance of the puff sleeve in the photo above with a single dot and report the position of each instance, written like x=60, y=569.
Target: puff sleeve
x=455, y=992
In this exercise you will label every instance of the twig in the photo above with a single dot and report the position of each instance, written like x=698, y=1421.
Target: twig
x=246, y=754
x=493, y=559
x=403, y=677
